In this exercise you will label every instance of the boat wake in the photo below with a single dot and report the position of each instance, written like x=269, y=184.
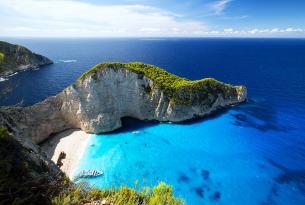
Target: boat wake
x=68, y=61
x=3, y=79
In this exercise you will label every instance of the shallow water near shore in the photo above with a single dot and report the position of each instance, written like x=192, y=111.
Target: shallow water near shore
x=213, y=161
x=253, y=153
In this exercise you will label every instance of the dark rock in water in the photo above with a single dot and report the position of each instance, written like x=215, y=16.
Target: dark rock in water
x=165, y=141
x=290, y=176
x=146, y=174
x=15, y=58
x=200, y=192
x=183, y=178
x=205, y=174
x=193, y=169
x=237, y=123
x=270, y=197
x=240, y=117
x=262, y=166
x=258, y=116
x=274, y=190
x=139, y=164
x=216, y=196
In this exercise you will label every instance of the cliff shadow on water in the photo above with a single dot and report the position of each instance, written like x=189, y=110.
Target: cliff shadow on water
x=214, y=115
x=130, y=124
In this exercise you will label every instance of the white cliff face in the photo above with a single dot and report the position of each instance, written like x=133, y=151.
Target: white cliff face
x=97, y=103
x=101, y=103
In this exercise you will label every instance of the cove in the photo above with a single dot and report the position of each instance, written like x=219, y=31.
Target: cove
x=219, y=160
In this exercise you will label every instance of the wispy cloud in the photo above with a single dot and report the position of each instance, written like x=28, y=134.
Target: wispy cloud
x=72, y=18
x=235, y=17
x=255, y=32
x=276, y=31
x=219, y=6
x=258, y=32
x=75, y=18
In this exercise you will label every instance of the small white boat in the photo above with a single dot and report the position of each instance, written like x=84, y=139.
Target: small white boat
x=89, y=174
x=135, y=132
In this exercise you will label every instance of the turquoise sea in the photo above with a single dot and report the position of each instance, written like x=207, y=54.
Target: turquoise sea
x=253, y=153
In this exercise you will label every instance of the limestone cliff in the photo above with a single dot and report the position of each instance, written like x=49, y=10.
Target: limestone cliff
x=98, y=100
x=14, y=58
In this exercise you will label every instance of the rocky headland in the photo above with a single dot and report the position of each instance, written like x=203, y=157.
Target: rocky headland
x=98, y=100
x=16, y=58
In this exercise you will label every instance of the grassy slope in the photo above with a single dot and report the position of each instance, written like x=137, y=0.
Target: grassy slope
x=1, y=56
x=9, y=51
x=175, y=87
x=12, y=56
x=1, y=59
x=161, y=194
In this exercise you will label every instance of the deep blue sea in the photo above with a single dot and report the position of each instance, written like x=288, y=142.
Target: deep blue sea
x=250, y=154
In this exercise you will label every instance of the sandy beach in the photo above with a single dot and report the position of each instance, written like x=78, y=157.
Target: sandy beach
x=72, y=142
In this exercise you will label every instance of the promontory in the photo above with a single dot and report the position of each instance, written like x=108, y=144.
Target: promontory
x=103, y=95
x=15, y=58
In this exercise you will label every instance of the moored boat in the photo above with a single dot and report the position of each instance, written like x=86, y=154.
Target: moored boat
x=89, y=173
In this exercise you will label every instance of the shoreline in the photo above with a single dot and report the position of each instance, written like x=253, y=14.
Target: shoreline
x=73, y=143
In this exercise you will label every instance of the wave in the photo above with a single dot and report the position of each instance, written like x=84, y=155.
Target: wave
x=2, y=79
x=13, y=74
x=68, y=61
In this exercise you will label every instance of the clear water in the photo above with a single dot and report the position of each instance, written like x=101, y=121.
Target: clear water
x=251, y=154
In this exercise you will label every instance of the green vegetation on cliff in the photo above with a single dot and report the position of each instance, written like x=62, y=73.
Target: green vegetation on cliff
x=178, y=89
x=1, y=59
x=161, y=194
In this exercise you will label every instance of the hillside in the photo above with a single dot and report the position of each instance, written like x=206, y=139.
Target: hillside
x=15, y=58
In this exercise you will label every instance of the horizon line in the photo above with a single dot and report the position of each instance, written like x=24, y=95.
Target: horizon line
x=149, y=37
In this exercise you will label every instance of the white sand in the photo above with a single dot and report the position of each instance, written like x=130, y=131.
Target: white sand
x=73, y=143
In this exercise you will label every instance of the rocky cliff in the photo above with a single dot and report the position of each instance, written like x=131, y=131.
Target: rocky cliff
x=14, y=58
x=98, y=100
x=27, y=176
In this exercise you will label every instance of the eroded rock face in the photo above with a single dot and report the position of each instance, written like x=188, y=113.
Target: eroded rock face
x=97, y=103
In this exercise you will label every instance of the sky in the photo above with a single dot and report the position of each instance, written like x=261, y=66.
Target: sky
x=157, y=18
